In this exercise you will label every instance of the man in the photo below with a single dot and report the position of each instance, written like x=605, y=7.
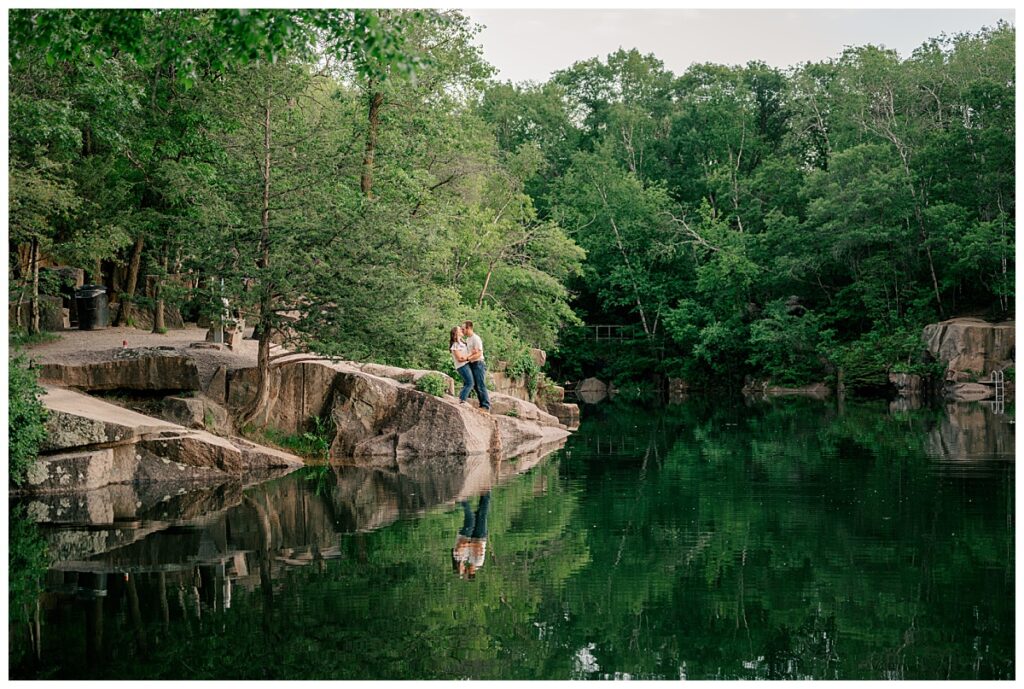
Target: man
x=477, y=365
x=471, y=543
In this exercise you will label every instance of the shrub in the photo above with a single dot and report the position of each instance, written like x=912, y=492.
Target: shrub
x=433, y=384
x=784, y=346
x=523, y=366
x=26, y=417
x=866, y=362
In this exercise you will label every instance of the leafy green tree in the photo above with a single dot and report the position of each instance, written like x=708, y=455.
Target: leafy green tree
x=25, y=418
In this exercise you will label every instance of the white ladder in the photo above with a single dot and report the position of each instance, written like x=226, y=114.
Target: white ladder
x=1000, y=385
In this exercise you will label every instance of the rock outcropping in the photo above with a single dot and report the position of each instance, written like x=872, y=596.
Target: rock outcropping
x=91, y=443
x=382, y=420
x=151, y=369
x=972, y=350
x=970, y=347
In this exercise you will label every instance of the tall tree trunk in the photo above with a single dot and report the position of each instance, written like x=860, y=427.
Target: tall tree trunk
x=263, y=326
x=487, y=281
x=158, y=308
x=97, y=272
x=376, y=100
x=133, y=280
x=625, y=258
x=33, y=321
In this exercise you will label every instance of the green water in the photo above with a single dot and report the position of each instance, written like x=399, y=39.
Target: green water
x=705, y=540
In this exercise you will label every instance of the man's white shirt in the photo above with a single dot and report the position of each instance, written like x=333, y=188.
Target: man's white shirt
x=474, y=342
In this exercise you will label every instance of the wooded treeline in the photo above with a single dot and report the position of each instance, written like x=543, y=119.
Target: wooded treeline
x=361, y=171
x=778, y=223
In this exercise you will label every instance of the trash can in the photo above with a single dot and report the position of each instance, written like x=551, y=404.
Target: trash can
x=93, y=310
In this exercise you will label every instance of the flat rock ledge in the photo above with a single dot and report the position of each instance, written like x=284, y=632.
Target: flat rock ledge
x=91, y=444
x=141, y=368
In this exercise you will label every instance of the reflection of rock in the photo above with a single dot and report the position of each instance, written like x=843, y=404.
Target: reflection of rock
x=764, y=388
x=128, y=369
x=969, y=392
x=971, y=431
x=129, y=527
x=591, y=390
x=906, y=403
x=970, y=346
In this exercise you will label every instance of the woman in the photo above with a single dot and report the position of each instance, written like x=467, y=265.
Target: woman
x=471, y=543
x=460, y=357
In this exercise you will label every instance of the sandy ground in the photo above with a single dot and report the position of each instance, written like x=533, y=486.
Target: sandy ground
x=87, y=346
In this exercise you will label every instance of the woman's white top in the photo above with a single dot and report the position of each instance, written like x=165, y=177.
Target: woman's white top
x=463, y=350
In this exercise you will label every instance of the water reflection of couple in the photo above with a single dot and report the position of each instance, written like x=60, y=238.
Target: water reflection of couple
x=471, y=543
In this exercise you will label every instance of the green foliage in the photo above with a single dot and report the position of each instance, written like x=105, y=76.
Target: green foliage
x=525, y=368
x=27, y=560
x=785, y=346
x=693, y=540
x=26, y=417
x=312, y=444
x=433, y=384
x=706, y=200
x=19, y=338
x=866, y=362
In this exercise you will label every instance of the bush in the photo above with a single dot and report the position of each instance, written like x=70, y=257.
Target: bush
x=866, y=362
x=433, y=384
x=25, y=418
x=523, y=366
x=784, y=346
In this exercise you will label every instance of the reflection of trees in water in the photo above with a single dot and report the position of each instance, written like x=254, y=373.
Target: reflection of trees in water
x=776, y=541
x=793, y=542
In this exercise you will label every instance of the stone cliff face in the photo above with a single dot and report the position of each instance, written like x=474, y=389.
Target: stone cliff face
x=970, y=347
x=380, y=420
x=972, y=350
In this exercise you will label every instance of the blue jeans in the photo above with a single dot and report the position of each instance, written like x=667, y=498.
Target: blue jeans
x=475, y=525
x=479, y=369
x=467, y=381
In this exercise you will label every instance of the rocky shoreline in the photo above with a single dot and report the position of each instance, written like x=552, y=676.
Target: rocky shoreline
x=183, y=430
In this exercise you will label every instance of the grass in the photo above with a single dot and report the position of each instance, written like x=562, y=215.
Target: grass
x=313, y=444
x=19, y=338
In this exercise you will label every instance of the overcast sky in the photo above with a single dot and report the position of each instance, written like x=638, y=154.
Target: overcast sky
x=530, y=44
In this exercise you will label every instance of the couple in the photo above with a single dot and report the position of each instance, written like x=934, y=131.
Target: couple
x=468, y=356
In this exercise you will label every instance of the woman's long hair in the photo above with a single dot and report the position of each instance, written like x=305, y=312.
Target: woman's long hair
x=454, y=336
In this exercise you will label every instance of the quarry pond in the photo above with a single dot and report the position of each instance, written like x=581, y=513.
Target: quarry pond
x=791, y=538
